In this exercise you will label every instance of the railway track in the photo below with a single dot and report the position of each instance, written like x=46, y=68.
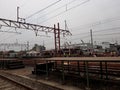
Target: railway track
x=7, y=84
x=18, y=82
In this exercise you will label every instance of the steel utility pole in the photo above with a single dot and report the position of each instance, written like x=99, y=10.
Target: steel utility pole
x=91, y=40
x=27, y=45
x=19, y=19
x=17, y=14
x=57, y=39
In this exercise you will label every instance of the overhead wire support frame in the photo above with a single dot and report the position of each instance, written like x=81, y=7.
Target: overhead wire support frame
x=34, y=27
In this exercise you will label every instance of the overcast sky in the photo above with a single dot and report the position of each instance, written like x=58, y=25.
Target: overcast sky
x=102, y=16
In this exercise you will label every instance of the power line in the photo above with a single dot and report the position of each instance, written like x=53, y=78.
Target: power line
x=16, y=33
x=43, y=9
x=99, y=38
x=109, y=29
x=107, y=34
x=11, y=36
x=108, y=20
x=65, y=11
x=96, y=31
x=97, y=35
x=87, y=36
x=10, y=32
x=56, y=9
x=78, y=5
x=52, y=17
x=79, y=34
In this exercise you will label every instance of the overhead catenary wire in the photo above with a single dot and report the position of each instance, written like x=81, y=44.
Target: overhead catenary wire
x=11, y=36
x=43, y=9
x=87, y=36
x=56, y=9
x=10, y=32
x=100, y=22
x=99, y=34
x=65, y=11
x=78, y=5
x=96, y=35
x=107, y=34
x=3, y=32
x=59, y=0
x=108, y=29
x=101, y=38
x=96, y=31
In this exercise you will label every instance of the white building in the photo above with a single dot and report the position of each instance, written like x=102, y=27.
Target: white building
x=105, y=45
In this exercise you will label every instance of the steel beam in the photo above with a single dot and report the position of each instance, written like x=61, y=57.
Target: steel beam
x=106, y=70
x=68, y=62
x=63, y=73
x=57, y=39
x=101, y=70
x=47, y=71
x=87, y=73
x=34, y=27
x=78, y=65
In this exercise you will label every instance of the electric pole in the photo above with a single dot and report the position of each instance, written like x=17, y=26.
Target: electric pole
x=91, y=40
x=19, y=19
x=27, y=45
x=17, y=14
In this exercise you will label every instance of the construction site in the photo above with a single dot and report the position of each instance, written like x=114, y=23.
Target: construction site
x=60, y=45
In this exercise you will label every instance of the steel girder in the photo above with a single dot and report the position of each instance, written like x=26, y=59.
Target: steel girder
x=28, y=26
